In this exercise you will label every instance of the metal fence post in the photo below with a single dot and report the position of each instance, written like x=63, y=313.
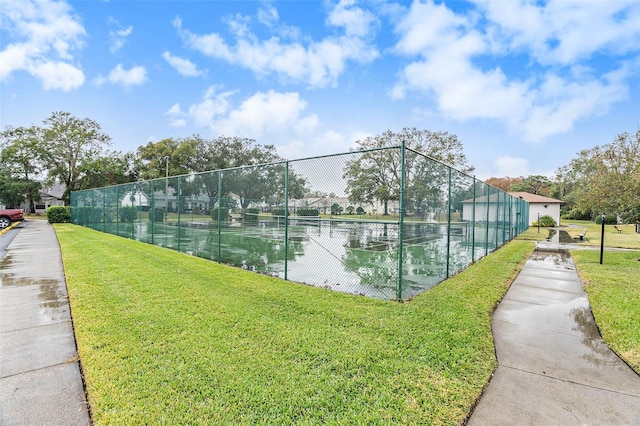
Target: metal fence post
x=178, y=208
x=448, y=220
x=219, y=214
x=473, y=221
x=286, y=219
x=152, y=210
x=486, y=241
x=401, y=221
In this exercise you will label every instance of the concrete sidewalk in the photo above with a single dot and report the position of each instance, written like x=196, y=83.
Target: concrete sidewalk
x=40, y=382
x=554, y=367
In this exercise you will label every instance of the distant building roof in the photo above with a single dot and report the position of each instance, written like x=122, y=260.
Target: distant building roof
x=56, y=190
x=535, y=198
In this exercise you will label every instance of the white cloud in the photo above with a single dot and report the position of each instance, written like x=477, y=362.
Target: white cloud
x=446, y=50
x=563, y=32
x=262, y=114
x=268, y=112
x=183, y=66
x=118, y=75
x=357, y=22
x=177, y=118
x=316, y=63
x=132, y=77
x=212, y=106
x=42, y=37
x=58, y=75
x=511, y=166
x=118, y=36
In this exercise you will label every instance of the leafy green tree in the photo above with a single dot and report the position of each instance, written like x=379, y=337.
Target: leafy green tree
x=608, y=178
x=336, y=209
x=66, y=145
x=565, y=187
x=13, y=191
x=20, y=168
x=231, y=155
x=534, y=184
x=375, y=174
x=168, y=156
x=112, y=168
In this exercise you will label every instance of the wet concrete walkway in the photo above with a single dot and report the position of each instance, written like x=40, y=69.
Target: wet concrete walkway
x=554, y=367
x=40, y=382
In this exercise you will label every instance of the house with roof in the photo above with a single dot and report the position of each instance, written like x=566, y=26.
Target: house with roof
x=49, y=196
x=492, y=208
x=540, y=205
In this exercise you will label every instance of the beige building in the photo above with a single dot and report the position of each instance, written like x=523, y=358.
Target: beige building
x=540, y=205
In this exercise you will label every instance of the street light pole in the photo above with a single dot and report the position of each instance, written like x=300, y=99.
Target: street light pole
x=602, y=239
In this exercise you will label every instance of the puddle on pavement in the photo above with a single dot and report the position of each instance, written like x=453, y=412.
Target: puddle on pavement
x=559, y=237
x=556, y=258
x=573, y=316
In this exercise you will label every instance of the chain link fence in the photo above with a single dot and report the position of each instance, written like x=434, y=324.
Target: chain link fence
x=386, y=223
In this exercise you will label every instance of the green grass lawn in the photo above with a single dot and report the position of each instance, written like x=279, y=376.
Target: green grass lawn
x=613, y=289
x=164, y=337
x=628, y=238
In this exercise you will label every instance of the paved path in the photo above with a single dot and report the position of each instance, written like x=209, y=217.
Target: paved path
x=40, y=382
x=554, y=368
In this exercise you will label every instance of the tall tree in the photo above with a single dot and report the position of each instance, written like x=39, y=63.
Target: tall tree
x=376, y=173
x=67, y=144
x=534, y=184
x=111, y=168
x=609, y=178
x=233, y=155
x=504, y=183
x=20, y=166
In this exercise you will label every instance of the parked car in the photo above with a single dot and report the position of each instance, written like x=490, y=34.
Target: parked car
x=10, y=215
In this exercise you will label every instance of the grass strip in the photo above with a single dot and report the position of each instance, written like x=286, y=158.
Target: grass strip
x=614, y=294
x=169, y=338
x=626, y=238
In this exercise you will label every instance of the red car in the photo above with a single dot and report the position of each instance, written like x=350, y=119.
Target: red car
x=10, y=215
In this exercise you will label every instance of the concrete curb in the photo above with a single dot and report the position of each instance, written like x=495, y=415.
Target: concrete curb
x=13, y=225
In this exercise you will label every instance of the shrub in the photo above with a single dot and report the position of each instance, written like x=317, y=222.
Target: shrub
x=278, y=212
x=156, y=214
x=251, y=215
x=220, y=213
x=360, y=210
x=575, y=214
x=336, y=209
x=609, y=219
x=308, y=212
x=546, y=221
x=127, y=214
x=59, y=214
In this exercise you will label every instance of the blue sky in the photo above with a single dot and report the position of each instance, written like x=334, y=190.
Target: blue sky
x=524, y=84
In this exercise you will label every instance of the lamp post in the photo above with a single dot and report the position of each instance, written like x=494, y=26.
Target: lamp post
x=166, y=187
x=602, y=239
x=538, y=222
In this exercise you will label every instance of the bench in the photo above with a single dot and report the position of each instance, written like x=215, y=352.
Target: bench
x=581, y=236
x=617, y=229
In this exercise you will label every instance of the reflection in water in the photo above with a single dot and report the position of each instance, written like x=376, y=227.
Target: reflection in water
x=599, y=354
x=348, y=256
x=559, y=236
x=51, y=291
